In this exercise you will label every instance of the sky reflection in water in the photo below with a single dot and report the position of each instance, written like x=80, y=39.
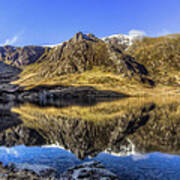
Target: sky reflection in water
x=149, y=166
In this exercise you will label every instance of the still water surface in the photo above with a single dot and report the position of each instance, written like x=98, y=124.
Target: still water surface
x=136, y=138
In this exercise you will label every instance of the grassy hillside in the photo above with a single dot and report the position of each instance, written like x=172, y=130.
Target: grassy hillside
x=161, y=57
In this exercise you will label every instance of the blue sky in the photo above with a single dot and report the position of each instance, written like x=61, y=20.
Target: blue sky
x=39, y=22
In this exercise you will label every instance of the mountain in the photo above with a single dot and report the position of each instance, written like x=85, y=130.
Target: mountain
x=133, y=65
x=84, y=60
x=23, y=56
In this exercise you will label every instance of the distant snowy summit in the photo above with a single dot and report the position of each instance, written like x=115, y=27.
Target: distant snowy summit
x=124, y=40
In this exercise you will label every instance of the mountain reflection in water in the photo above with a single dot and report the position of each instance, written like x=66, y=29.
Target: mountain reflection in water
x=122, y=127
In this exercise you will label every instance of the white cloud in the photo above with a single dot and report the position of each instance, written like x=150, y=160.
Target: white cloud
x=136, y=33
x=11, y=41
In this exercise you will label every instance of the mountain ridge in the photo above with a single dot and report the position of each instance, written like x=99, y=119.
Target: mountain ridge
x=83, y=53
x=86, y=60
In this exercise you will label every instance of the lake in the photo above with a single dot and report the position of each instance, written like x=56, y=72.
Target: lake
x=135, y=138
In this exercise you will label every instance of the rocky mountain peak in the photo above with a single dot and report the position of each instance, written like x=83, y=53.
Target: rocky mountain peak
x=81, y=36
x=78, y=36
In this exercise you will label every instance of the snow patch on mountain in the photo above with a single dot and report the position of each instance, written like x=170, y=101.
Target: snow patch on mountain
x=126, y=38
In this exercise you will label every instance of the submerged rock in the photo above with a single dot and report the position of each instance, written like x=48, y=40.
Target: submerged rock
x=39, y=170
x=6, y=174
x=88, y=171
x=27, y=171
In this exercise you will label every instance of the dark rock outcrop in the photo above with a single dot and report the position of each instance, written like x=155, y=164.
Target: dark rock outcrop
x=56, y=95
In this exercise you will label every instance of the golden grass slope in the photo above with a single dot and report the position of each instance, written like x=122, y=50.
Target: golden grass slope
x=161, y=57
